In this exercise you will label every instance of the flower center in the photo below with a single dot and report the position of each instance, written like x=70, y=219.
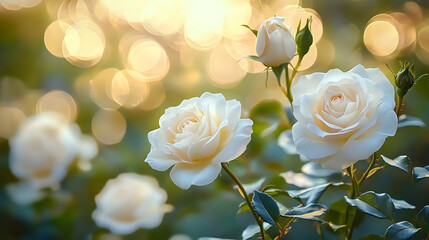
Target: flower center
x=187, y=123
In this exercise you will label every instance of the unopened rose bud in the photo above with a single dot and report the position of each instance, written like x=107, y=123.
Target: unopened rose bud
x=404, y=79
x=275, y=44
x=303, y=40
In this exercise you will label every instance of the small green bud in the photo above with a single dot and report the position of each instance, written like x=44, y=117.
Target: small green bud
x=303, y=39
x=404, y=79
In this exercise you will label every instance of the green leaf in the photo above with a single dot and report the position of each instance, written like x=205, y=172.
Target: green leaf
x=372, y=237
x=420, y=173
x=253, y=230
x=278, y=71
x=423, y=218
x=408, y=121
x=309, y=212
x=253, y=57
x=402, y=162
x=312, y=195
x=337, y=212
x=268, y=117
x=401, y=204
x=374, y=204
x=253, y=30
x=400, y=231
x=266, y=207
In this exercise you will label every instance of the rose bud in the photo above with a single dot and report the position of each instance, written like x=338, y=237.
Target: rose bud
x=303, y=40
x=274, y=43
x=404, y=79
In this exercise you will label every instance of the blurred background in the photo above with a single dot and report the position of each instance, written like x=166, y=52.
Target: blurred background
x=113, y=67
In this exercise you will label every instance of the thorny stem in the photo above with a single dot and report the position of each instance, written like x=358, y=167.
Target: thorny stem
x=246, y=197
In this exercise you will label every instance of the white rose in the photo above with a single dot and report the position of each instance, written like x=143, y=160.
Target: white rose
x=275, y=44
x=342, y=117
x=129, y=202
x=43, y=148
x=196, y=137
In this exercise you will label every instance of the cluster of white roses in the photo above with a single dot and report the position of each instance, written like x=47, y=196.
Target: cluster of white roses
x=342, y=117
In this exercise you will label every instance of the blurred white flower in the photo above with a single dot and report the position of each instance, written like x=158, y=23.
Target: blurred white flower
x=196, y=137
x=44, y=147
x=129, y=202
x=343, y=117
x=275, y=44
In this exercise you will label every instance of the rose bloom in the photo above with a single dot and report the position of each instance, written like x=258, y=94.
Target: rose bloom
x=196, y=137
x=342, y=117
x=43, y=148
x=275, y=44
x=129, y=202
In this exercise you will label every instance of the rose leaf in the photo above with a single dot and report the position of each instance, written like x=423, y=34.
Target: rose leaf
x=408, y=121
x=266, y=207
x=309, y=212
x=400, y=231
x=423, y=218
x=374, y=204
x=420, y=173
x=402, y=162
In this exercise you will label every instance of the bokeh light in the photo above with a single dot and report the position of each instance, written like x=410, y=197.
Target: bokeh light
x=10, y=119
x=101, y=89
x=18, y=4
x=59, y=102
x=108, y=126
x=128, y=91
x=224, y=69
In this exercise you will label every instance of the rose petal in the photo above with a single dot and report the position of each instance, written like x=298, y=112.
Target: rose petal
x=186, y=174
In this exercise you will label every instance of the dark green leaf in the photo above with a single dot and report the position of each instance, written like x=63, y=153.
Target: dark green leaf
x=278, y=71
x=337, y=212
x=423, y=218
x=364, y=207
x=408, y=121
x=374, y=204
x=402, y=162
x=242, y=208
x=380, y=201
x=312, y=195
x=253, y=30
x=420, y=173
x=401, y=204
x=266, y=207
x=372, y=237
x=401, y=231
x=309, y=212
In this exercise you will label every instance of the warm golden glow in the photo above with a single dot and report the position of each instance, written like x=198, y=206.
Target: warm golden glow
x=223, y=69
x=237, y=12
x=17, y=5
x=308, y=60
x=10, y=119
x=83, y=44
x=58, y=101
x=109, y=126
x=381, y=38
x=147, y=60
x=423, y=38
x=101, y=89
x=204, y=24
x=54, y=36
x=155, y=98
x=167, y=23
x=128, y=91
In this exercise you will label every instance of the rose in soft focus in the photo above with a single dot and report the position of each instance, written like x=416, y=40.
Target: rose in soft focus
x=275, y=44
x=129, y=202
x=44, y=147
x=196, y=137
x=342, y=117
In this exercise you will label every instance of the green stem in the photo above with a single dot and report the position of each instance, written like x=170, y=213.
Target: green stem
x=246, y=197
x=322, y=236
x=288, y=84
x=368, y=170
x=295, y=69
x=354, y=194
x=398, y=106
